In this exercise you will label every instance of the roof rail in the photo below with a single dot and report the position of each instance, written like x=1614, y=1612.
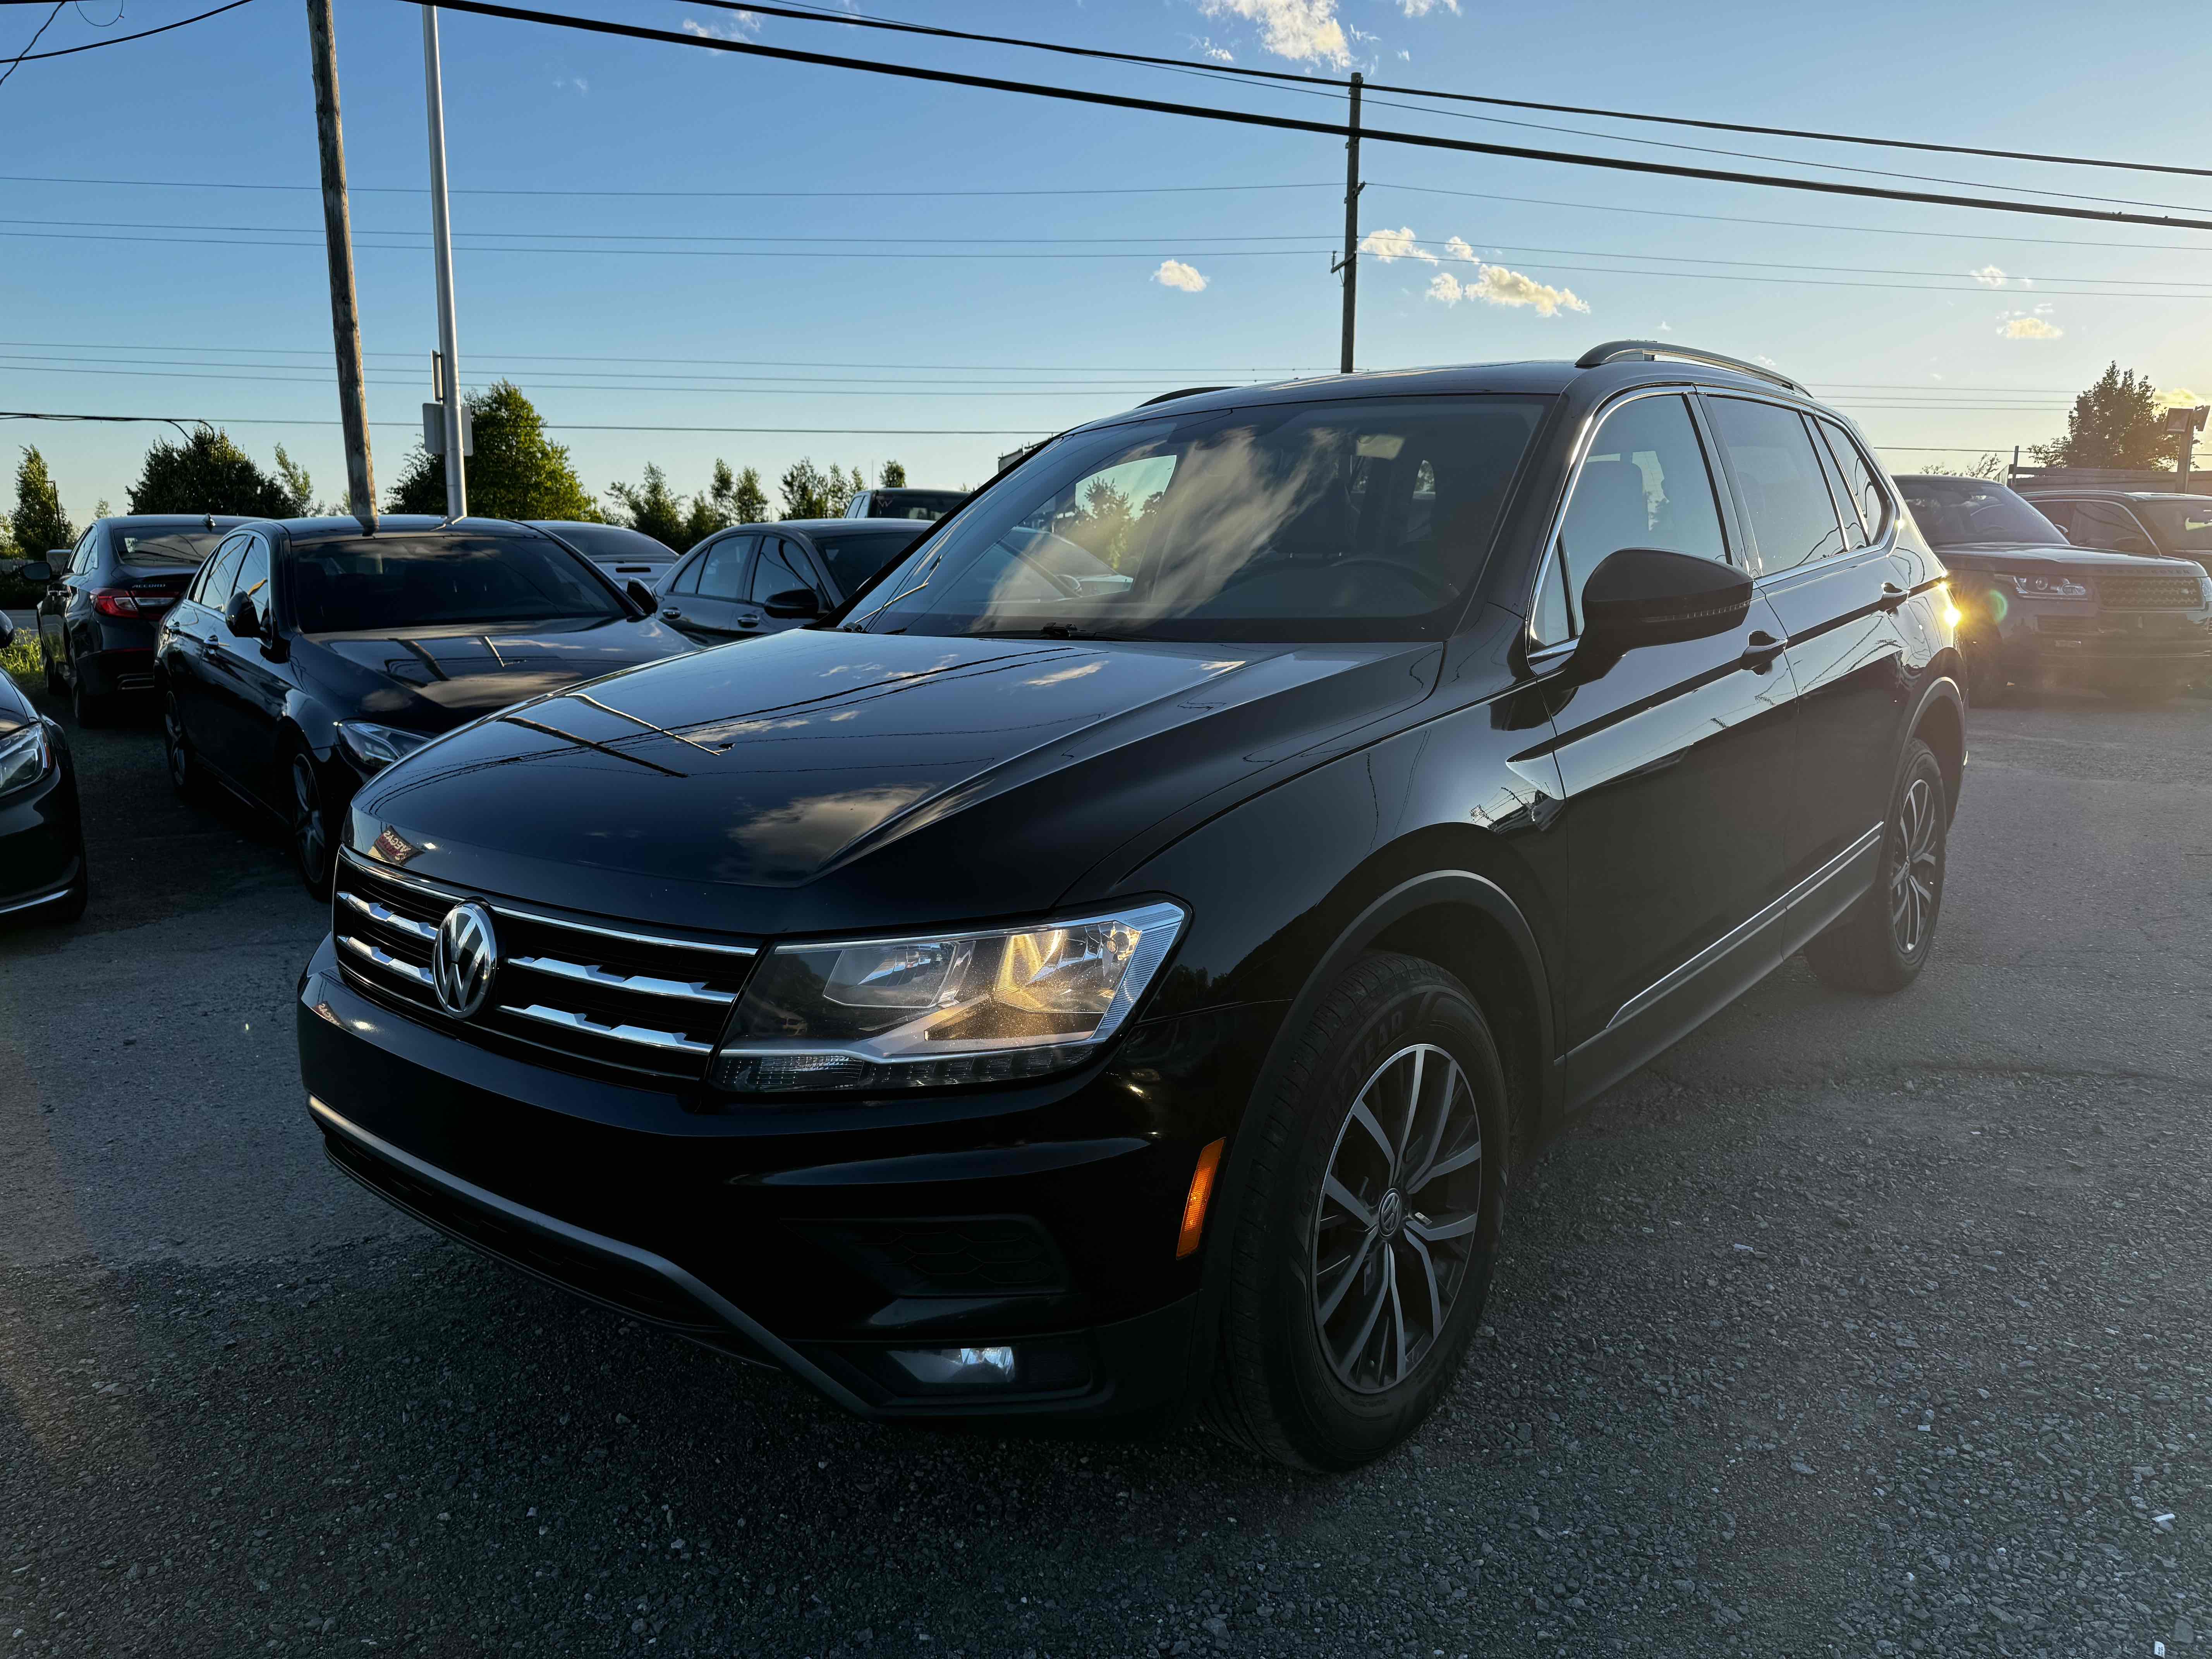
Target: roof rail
x=1613, y=351
x=1188, y=391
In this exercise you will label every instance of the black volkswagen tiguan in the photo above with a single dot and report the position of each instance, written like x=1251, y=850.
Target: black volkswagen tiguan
x=1111, y=967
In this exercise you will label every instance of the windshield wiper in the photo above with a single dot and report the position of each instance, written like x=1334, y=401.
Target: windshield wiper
x=1052, y=630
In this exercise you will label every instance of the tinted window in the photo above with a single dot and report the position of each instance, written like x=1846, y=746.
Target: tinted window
x=1952, y=512
x=687, y=580
x=2182, y=523
x=1645, y=484
x=166, y=550
x=1356, y=519
x=221, y=572
x=724, y=569
x=2109, y=525
x=853, y=558
x=1862, y=484
x=927, y=505
x=609, y=542
x=780, y=569
x=1793, y=517
x=253, y=576
x=1846, y=514
x=374, y=583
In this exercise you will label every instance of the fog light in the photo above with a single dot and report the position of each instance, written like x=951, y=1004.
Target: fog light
x=957, y=1367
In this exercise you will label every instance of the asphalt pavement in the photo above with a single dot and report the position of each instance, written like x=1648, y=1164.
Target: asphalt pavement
x=1849, y=1327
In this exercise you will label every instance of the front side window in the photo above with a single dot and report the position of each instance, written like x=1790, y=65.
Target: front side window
x=722, y=572
x=1785, y=495
x=253, y=577
x=221, y=573
x=2110, y=526
x=1356, y=519
x=777, y=571
x=366, y=584
x=854, y=557
x=1644, y=483
x=2184, y=525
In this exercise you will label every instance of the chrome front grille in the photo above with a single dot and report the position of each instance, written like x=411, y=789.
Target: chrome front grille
x=2179, y=589
x=617, y=998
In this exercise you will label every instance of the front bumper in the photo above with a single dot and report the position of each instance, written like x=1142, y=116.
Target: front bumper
x=2080, y=640
x=41, y=840
x=828, y=1240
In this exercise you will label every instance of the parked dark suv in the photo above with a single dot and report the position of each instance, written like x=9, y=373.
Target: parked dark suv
x=2153, y=522
x=104, y=599
x=1111, y=967
x=2036, y=608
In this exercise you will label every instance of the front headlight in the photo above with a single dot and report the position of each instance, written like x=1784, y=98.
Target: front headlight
x=373, y=747
x=25, y=759
x=947, y=1008
x=2048, y=587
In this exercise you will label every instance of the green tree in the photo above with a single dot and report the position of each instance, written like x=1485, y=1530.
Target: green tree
x=38, y=524
x=814, y=492
x=207, y=473
x=515, y=473
x=894, y=476
x=748, y=500
x=298, y=487
x=2114, y=423
x=654, y=510
x=1990, y=466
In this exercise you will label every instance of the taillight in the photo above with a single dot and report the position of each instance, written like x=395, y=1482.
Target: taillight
x=113, y=602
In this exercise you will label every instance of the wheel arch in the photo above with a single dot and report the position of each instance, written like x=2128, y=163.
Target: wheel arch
x=1940, y=721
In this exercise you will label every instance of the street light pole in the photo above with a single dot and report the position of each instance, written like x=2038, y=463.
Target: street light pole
x=441, y=241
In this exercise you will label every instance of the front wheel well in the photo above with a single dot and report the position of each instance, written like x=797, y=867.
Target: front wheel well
x=1476, y=948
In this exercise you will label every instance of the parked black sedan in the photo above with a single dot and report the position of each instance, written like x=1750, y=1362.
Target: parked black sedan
x=308, y=655
x=755, y=578
x=42, y=864
x=103, y=597
x=622, y=552
x=2036, y=608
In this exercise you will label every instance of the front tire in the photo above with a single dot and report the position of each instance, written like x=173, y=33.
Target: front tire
x=313, y=853
x=1363, y=1254
x=1880, y=944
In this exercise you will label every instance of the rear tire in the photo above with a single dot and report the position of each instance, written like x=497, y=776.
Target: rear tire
x=1362, y=1252
x=1879, y=945
x=52, y=659
x=177, y=748
x=89, y=708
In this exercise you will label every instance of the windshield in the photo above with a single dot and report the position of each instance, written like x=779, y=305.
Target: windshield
x=927, y=505
x=1951, y=512
x=167, y=550
x=611, y=541
x=373, y=584
x=1346, y=521
x=2180, y=524
x=853, y=558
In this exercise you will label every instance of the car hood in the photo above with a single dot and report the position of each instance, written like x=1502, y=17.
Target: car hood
x=2032, y=556
x=818, y=778
x=432, y=679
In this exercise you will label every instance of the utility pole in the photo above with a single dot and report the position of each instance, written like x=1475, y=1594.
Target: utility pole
x=337, y=234
x=1349, y=265
x=2185, y=423
x=441, y=241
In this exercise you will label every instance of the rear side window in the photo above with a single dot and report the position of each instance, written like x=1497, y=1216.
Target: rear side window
x=1645, y=484
x=1785, y=496
x=724, y=567
x=1862, y=484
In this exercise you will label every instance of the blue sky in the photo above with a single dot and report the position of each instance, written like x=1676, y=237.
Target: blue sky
x=858, y=319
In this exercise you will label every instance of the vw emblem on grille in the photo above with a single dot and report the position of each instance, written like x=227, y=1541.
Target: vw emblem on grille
x=463, y=959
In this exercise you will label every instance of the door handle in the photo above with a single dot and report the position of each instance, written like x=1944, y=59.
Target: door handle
x=749, y=621
x=1759, y=651
x=1892, y=595
x=673, y=615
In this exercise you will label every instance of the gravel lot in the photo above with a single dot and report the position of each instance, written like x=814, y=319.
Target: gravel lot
x=1848, y=1327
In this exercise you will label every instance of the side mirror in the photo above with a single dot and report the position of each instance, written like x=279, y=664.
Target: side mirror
x=797, y=602
x=7, y=631
x=640, y=596
x=1645, y=596
x=36, y=570
x=242, y=618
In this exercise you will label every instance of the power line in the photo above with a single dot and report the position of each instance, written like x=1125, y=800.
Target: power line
x=29, y=57
x=1181, y=372
x=1308, y=81
x=42, y=29
x=1289, y=123
x=569, y=426
x=717, y=195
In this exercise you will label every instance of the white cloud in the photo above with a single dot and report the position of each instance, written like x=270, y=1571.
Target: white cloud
x=1666, y=327
x=2029, y=328
x=1218, y=54
x=741, y=25
x=1304, y=31
x=1173, y=273
x=1400, y=243
x=1494, y=285
x=1423, y=8
x=1989, y=276
x=2179, y=397
x=1763, y=361
x=1457, y=247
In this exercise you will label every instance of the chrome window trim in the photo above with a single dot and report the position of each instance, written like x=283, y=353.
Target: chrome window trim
x=1577, y=457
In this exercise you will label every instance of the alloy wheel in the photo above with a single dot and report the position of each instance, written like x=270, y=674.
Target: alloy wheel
x=310, y=839
x=1394, y=1224
x=1913, y=877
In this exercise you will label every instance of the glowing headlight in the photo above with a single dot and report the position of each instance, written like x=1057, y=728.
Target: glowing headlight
x=954, y=1008
x=2048, y=587
x=24, y=758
